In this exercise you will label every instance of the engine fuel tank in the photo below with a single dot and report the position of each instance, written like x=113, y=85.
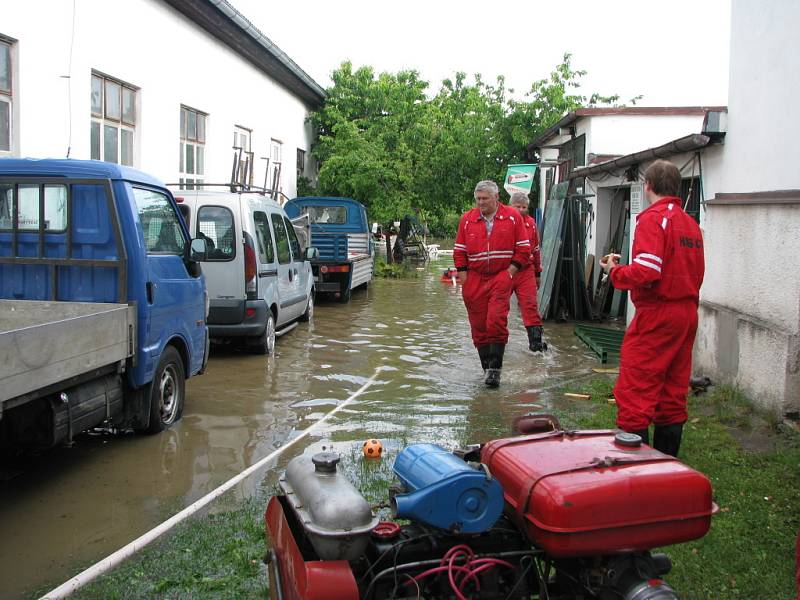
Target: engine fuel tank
x=444, y=491
x=585, y=493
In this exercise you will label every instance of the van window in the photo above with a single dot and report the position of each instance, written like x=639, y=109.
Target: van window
x=293, y=239
x=335, y=215
x=266, y=248
x=281, y=239
x=160, y=225
x=215, y=225
x=30, y=197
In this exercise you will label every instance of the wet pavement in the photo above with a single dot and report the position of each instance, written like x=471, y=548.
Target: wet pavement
x=62, y=511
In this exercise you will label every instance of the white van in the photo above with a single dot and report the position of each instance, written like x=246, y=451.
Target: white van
x=258, y=277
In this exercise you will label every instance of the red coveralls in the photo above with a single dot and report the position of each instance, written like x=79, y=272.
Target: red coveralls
x=487, y=290
x=664, y=278
x=524, y=283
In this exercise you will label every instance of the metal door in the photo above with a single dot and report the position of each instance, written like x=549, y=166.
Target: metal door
x=287, y=282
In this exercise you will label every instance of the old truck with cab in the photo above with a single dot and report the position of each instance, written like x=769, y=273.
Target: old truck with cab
x=102, y=301
x=340, y=232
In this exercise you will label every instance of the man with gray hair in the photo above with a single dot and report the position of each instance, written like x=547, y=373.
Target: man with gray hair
x=491, y=246
x=526, y=282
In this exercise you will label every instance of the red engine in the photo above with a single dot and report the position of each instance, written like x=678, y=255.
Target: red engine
x=582, y=511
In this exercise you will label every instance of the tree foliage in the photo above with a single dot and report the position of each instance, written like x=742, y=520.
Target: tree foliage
x=384, y=142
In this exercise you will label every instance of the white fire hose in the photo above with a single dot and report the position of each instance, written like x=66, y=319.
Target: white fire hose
x=111, y=561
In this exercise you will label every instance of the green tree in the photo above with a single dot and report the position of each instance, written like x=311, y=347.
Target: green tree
x=382, y=141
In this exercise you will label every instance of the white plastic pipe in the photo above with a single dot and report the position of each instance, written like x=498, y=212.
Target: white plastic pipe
x=111, y=561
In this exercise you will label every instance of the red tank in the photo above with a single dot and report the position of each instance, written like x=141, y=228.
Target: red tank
x=585, y=493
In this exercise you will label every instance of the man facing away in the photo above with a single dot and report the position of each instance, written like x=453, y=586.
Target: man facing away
x=526, y=282
x=491, y=246
x=664, y=278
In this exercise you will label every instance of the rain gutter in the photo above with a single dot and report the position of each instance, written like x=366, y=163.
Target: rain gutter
x=687, y=143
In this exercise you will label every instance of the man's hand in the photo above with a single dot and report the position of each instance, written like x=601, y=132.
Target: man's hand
x=608, y=262
x=462, y=277
x=512, y=270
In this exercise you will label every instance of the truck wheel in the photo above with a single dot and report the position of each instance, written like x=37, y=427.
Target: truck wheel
x=265, y=343
x=344, y=295
x=167, y=391
x=309, y=314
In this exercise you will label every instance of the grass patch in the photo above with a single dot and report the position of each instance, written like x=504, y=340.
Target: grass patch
x=214, y=556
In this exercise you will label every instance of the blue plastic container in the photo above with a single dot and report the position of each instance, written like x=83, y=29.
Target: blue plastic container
x=444, y=491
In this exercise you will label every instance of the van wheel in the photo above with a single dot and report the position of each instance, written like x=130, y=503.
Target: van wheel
x=309, y=314
x=167, y=391
x=265, y=343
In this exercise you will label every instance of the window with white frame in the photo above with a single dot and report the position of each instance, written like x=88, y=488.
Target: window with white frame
x=113, y=120
x=276, y=160
x=243, y=152
x=193, y=147
x=301, y=162
x=6, y=98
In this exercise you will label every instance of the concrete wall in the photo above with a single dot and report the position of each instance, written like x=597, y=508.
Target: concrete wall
x=172, y=62
x=749, y=333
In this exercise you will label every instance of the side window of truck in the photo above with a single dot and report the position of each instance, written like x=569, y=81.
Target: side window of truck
x=266, y=248
x=293, y=239
x=215, y=225
x=281, y=239
x=162, y=231
x=30, y=198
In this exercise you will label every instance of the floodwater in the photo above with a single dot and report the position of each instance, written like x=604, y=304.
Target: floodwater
x=62, y=511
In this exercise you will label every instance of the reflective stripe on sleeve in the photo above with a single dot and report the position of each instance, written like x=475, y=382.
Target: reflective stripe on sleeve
x=650, y=256
x=649, y=265
x=664, y=223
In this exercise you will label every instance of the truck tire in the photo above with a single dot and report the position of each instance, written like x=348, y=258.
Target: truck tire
x=344, y=295
x=309, y=314
x=265, y=343
x=167, y=392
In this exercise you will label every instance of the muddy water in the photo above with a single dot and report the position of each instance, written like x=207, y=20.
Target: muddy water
x=71, y=507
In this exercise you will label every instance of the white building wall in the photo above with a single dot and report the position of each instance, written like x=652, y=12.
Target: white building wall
x=172, y=61
x=749, y=331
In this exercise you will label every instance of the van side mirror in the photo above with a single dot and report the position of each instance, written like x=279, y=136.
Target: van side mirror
x=196, y=250
x=311, y=253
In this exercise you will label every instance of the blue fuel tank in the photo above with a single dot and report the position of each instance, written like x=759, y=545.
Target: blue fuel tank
x=444, y=491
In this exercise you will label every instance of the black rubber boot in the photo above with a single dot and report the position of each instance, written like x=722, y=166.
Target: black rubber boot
x=667, y=438
x=644, y=434
x=535, y=342
x=496, y=352
x=483, y=352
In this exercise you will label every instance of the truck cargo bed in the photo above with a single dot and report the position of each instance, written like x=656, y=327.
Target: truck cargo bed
x=43, y=343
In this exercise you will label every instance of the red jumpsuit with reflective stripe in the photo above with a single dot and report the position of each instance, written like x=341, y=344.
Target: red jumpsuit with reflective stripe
x=664, y=278
x=524, y=283
x=486, y=257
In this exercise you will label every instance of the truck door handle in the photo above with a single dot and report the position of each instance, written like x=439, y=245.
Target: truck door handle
x=150, y=287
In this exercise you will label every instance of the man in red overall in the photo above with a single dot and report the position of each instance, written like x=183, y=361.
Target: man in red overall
x=491, y=246
x=664, y=278
x=526, y=282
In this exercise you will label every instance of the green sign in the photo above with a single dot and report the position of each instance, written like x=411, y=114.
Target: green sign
x=519, y=178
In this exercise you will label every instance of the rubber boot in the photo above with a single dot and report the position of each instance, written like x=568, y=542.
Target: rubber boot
x=483, y=352
x=535, y=342
x=644, y=434
x=496, y=352
x=667, y=438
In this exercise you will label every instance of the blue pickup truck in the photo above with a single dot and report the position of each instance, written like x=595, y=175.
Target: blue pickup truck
x=102, y=301
x=340, y=232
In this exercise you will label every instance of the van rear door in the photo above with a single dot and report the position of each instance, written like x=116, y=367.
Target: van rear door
x=221, y=228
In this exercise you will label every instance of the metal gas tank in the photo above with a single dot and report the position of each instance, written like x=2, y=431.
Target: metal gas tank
x=444, y=491
x=336, y=517
x=583, y=493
